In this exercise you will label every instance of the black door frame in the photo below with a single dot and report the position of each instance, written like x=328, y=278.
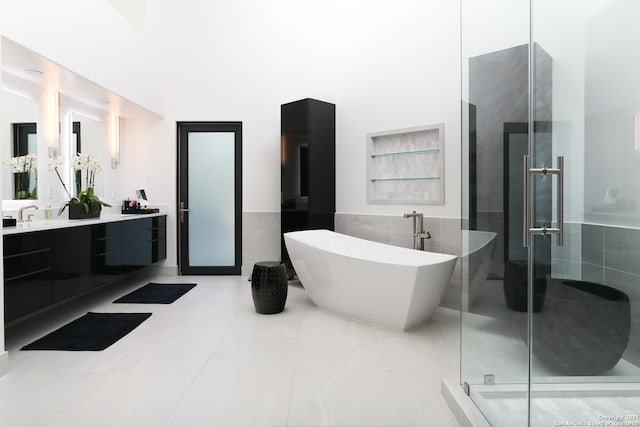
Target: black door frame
x=182, y=130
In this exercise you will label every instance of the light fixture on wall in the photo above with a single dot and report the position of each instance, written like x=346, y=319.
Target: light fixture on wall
x=49, y=126
x=116, y=129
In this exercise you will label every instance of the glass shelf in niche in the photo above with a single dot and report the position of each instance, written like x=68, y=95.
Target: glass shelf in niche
x=427, y=178
x=397, y=153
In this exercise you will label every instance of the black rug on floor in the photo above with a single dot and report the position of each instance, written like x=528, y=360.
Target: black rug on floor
x=91, y=332
x=156, y=293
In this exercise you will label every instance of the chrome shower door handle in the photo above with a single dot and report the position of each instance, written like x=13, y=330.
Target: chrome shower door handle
x=182, y=210
x=560, y=200
x=526, y=215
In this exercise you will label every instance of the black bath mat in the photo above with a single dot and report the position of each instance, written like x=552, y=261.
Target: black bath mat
x=156, y=293
x=91, y=332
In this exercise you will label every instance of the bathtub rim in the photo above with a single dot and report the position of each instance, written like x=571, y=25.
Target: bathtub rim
x=440, y=258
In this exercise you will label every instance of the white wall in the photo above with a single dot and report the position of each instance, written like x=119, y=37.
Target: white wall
x=385, y=65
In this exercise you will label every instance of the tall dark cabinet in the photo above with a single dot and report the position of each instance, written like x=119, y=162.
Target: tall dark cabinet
x=308, y=168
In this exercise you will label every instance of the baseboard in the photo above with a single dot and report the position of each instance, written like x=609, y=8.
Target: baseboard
x=463, y=408
x=4, y=363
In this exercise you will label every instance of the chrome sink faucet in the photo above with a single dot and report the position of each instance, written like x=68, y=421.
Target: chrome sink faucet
x=22, y=209
x=419, y=235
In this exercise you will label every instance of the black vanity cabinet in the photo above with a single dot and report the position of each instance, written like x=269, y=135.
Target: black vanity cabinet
x=145, y=242
x=42, y=268
x=71, y=269
x=158, y=238
x=28, y=262
x=136, y=244
x=107, y=250
x=308, y=137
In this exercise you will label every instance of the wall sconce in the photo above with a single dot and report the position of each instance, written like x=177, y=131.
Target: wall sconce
x=49, y=126
x=116, y=129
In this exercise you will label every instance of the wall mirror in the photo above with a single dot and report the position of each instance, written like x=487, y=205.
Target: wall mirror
x=72, y=113
x=89, y=137
x=19, y=147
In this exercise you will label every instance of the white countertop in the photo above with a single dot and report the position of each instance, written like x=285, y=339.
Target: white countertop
x=42, y=225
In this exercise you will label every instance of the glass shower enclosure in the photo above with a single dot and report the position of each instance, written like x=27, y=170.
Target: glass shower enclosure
x=551, y=171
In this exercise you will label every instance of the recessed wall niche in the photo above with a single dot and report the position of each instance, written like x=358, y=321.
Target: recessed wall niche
x=406, y=166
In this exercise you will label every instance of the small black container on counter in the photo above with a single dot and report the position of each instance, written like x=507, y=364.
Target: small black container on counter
x=9, y=222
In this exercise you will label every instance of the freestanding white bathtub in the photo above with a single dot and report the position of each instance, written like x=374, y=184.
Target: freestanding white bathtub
x=374, y=282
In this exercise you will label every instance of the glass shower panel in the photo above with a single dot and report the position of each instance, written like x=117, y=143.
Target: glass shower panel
x=495, y=89
x=585, y=342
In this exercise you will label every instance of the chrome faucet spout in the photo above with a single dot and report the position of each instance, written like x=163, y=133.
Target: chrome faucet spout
x=22, y=209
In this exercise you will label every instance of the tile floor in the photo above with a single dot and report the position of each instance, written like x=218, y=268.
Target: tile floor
x=209, y=360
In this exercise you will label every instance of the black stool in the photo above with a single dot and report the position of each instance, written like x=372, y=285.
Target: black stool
x=269, y=287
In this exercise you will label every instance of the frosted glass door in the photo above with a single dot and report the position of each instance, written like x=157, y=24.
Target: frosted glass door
x=211, y=219
x=208, y=205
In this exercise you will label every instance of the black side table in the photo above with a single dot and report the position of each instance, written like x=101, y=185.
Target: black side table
x=269, y=287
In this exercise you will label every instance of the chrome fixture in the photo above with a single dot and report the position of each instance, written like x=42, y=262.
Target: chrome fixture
x=22, y=209
x=419, y=235
x=526, y=211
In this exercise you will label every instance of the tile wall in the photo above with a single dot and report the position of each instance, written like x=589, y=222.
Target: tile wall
x=260, y=238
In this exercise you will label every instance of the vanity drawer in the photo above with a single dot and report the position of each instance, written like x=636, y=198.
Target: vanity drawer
x=15, y=244
x=26, y=264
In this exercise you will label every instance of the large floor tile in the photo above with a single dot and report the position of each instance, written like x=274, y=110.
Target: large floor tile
x=340, y=354
x=253, y=355
x=421, y=399
x=345, y=399
x=248, y=323
x=80, y=400
x=320, y=322
x=172, y=355
x=235, y=399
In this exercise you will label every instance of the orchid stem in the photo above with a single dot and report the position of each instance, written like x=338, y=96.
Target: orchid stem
x=62, y=182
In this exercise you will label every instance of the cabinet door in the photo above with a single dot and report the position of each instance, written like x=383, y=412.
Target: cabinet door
x=107, y=251
x=72, y=262
x=159, y=239
x=136, y=243
x=27, y=270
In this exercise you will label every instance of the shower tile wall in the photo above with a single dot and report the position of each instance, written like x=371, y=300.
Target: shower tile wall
x=611, y=255
x=566, y=260
x=398, y=231
x=260, y=238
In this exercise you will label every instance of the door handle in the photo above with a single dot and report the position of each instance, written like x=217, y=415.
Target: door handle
x=526, y=215
x=182, y=210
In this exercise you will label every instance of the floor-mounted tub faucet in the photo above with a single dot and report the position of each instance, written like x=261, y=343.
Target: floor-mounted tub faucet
x=419, y=235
